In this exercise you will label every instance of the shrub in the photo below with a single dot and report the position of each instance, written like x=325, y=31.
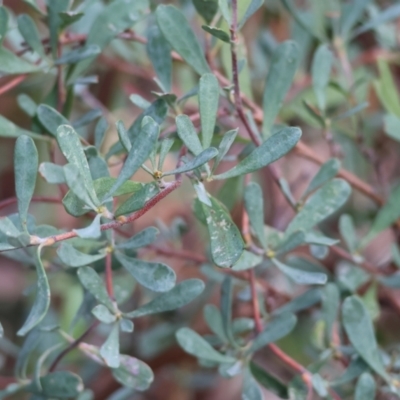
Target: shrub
x=273, y=276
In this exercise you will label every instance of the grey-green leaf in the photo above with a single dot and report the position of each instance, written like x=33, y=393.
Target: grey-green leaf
x=251, y=9
x=59, y=384
x=250, y=389
x=213, y=317
x=12, y=64
x=92, y=231
x=52, y=173
x=218, y=33
x=360, y=332
x=247, y=260
x=226, y=241
x=320, y=72
x=74, y=258
x=159, y=52
x=299, y=276
x=180, y=36
x=254, y=203
x=276, y=329
x=351, y=13
x=142, y=146
x=348, y=232
x=123, y=136
x=194, y=344
x=280, y=76
x=77, y=186
x=387, y=215
x=208, y=104
x=365, y=388
x=327, y=171
x=324, y=202
x=70, y=145
x=141, y=239
x=188, y=134
x=330, y=308
x=110, y=348
x=268, y=381
x=42, y=301
x=103, y=314
x=92, y=282
x=392, y=126
x=30, y=33
x=25, y=168
x=271, y=150
x=154, y=276
x=50, y=118
x=204, y=157
x=182, y=294
x=224, y=146
x=206, y=8
x=79, y=54
x=133, y=373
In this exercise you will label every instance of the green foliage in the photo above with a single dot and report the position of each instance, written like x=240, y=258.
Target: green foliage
x=190, y=117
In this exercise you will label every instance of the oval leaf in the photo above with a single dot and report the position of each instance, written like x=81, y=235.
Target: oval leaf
x=25, y=167
x=271, y=150
x=154, y=276
x=194, y=344
x=180, y=36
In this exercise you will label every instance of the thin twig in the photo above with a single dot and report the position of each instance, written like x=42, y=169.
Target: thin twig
x=12, y=83
x=73, y=345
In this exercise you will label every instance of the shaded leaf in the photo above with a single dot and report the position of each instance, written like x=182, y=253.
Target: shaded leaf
x=327, y=171
x=208, y=104
x=365, y=388
x=102, y=313
x=324, y=202
x=320, y=72
x=268, y=381
x=141, y=239
x=133, y=373
x=194, y=344
x=11, y=64
x=123, y=136
x=348, y=232
x=392, y=126
x=166, y=145
x=224, y=146
x=299, y=276
x=271, y=150
x=251, y=9
x=387, y=215
x=60, y=384
x=74, y=258
x=188, y=134
x=52, y=173
x=276, y=329
x=100, y=132
x=218, y=33
x=246, y=261
x=42, y=300
x=254, y=203
x=9, y=130
x=30, y=33
x=25, y=169
x=351, y=14
x=226, y=241
x=213, y=317
x=158, y=277
x=159, y=52
x=250, y=389
x=302, y=302
x=201, y=159
x=360, y=332
x=110, y=348
x=138, y=200
x=50, y=118
x=330, y=309
x=92, y=231
x=92, y=282
x=182, y=294
x=206, y=8
x=281, y=72
x=70, y=145
x=226, y=308
x=142, y=146
x=180, y=36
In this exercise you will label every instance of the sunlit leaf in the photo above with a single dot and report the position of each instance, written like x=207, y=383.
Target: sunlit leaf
x=103, y=314
x=110, y=348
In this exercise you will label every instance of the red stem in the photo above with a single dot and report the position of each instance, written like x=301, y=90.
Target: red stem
x=12, y=83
